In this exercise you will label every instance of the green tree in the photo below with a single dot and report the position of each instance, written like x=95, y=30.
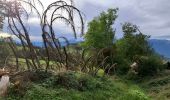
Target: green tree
x=134, y=46
x=133, y=43
x=100, y=32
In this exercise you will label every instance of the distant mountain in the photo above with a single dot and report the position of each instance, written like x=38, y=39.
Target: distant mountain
x=161, y=46
x=63, y=43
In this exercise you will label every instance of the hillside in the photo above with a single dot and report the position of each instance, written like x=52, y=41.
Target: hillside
x=39, y=60
x=77, y=86
x=162, y=47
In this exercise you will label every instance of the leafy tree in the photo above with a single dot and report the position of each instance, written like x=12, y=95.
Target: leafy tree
x=100, y=33
x=133, y=43
x=134, y=46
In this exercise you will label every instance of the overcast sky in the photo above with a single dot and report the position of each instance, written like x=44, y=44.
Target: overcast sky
x=152, y=16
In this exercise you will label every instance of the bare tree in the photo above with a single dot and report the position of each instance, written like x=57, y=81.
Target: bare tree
x=16, y=14
x=54, y=51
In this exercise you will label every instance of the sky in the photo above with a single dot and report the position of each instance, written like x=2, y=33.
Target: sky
x=152, y=16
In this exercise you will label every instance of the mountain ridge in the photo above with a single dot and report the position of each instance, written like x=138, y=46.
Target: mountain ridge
x=162, y=47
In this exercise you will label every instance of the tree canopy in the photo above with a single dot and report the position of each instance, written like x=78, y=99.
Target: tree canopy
x=100, y=32
x=133, y=43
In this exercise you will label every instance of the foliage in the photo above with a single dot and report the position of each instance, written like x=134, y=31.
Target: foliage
x=150, y=65
x=73, y=80
x=99, y=40
x=134, y=95
x=122, y=64
x=133, y=44
x=100, y=33
x=157, y=86
x=147, y=66
x=93, y=88
x=77, y=85
x=134, y=47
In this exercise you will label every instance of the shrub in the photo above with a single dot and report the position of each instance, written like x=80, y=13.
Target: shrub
x=78, y=81
x=122, y=64
x=132, y=76
x=149, y=65
x=80, y=86
x=42, y=75
x=134, y=95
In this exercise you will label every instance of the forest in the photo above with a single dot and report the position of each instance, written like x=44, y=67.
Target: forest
x=101, y=67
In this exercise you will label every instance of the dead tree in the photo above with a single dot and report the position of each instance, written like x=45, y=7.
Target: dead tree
x=16, y=13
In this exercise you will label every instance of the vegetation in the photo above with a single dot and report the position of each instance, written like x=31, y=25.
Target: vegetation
x=133, y=43
x=110, y=70
x=4, y=52
x=73, y=85
x=134, y=47
x=100, y=33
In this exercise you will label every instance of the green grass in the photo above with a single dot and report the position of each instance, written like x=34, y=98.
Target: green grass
x=158, y=87
x=79, y=86
x=22, y=63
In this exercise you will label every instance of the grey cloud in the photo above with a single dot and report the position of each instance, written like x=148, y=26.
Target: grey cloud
x=151, y=15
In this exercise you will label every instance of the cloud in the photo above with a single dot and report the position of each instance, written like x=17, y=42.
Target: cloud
x=4, y=35
x=151, y=15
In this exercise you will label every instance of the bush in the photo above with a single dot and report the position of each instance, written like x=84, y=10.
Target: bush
x=122, y=64
x=149, y=66
x=73, y=80
x=80, y=86
x=134, y=95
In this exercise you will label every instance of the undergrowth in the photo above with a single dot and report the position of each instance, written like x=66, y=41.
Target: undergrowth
x=80, y=86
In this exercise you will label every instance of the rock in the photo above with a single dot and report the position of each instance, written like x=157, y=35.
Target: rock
x=4, y=83
x=134, y=68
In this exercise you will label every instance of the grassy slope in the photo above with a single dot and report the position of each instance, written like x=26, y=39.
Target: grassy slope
x=22, y=63
x=78, y=86
x=158, y=87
